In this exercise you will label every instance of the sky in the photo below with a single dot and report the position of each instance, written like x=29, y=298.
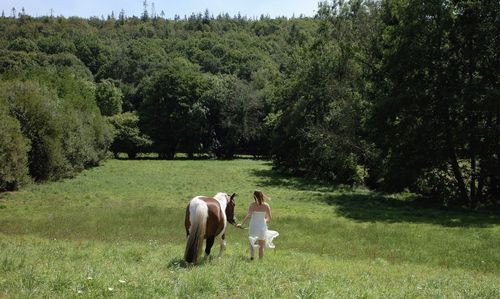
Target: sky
x=98, y=8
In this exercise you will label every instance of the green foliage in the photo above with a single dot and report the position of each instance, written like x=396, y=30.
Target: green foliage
x=171, y=112
x=395, y=94
x=37, y=111
x=55, y=45
x=128, y=138
x=440, y=184
x=234, y=115
x=23, y=44
x=14, y=149
x=109, y=98
x=16, y=60
x=58, y=115
x=323, y=100
x=134, y=60
x=91, y=51
x=437, y=98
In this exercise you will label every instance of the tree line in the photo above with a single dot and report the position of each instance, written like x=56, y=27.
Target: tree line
x=394, y=94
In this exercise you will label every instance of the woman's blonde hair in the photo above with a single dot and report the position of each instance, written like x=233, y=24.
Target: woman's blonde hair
x=259, y=197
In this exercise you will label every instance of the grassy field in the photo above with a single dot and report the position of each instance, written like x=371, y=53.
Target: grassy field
x=117, y=231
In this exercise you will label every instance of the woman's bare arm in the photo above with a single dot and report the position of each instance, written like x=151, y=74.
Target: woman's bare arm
x=269, y=216
x=249, y=214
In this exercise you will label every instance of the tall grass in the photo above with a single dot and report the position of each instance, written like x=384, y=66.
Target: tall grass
x=117, y=230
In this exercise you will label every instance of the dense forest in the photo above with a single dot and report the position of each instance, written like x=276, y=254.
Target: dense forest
x=393, y=94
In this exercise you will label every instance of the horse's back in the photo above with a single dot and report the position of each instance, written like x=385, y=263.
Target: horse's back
x=215, y=221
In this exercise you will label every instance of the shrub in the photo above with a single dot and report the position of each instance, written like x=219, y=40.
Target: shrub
x=128, y=138
x=38, y=113
x=60, y=118
x=14, y=149
x=440, y=184
x=86, y=134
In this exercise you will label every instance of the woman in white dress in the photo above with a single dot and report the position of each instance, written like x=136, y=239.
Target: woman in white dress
x=259, y=213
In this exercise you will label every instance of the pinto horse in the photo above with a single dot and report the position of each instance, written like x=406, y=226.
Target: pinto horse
x=206, y=218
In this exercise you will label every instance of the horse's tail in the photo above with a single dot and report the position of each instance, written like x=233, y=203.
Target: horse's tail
x=197, y=231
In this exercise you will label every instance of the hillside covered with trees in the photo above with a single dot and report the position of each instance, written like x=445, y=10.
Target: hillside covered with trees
x=393, y=94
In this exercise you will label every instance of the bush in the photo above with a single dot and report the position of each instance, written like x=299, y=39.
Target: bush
x=440, y=184
x=37, y=110
x=61, y=119
x=86, y=134
x=14, y=149
x=128, y=138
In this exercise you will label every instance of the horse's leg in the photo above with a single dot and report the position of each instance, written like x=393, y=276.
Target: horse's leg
x=210, y=243
x=222, y=245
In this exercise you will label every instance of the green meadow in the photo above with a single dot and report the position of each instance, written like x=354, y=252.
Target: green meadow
x=117, y=231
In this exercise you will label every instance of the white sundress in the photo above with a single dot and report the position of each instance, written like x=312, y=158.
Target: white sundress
x=257, y=230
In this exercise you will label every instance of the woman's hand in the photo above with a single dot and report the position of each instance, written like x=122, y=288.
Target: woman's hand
x=240, y=226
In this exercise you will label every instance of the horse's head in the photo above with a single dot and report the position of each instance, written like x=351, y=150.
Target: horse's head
x=230, y=209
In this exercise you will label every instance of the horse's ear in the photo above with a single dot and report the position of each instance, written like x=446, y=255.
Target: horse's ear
x=233, y=196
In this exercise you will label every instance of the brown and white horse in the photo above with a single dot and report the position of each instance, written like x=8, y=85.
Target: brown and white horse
x=206, y=218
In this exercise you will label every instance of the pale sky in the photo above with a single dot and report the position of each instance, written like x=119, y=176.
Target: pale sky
x=250, y=8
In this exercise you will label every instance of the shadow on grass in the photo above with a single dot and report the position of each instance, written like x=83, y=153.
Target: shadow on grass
x=375, y=207
x=272, y=178
x=198, y=157
x=155, y=158
x=368, y=206
x=178, y=263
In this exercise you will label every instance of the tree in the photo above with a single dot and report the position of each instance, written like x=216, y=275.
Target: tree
x=234, y=115
x=170, y=112
x=54, y=45
x=128, y=138
x=322, y=103
x=23, y=44
x=109, y=98
x=121, y=17
x=92, y=52
x=437, y=106
x=145, y=14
